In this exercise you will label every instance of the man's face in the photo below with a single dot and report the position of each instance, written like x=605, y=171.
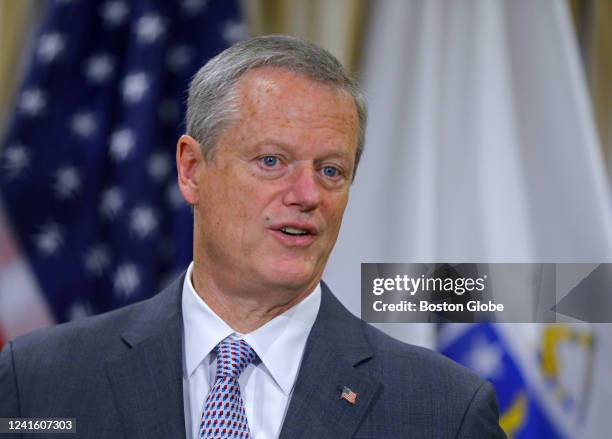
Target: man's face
x=271, y=198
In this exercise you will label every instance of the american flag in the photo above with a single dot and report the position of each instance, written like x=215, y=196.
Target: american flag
x=348, y=395
x=87, y=173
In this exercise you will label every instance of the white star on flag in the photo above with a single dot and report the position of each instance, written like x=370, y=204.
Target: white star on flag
x=173, y=196
x=83, y=125
x=67, y=182
x=235, y=31
x=159, y=166
x=142, y=221
x=122, y=143
x=16, y=160
x=126, y=280
x=97, y=260
x=32, y=102
x=485, y=358
x=178, y=58
x=149, y=28
x=111, y=203
x=134, y=87
x=79, y=310
x=99, y=68
x=49, y=240
x=50, y=46
x=114, y=12
x=192, y=7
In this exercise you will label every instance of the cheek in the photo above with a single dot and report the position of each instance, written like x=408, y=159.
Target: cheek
x=226, y=190
x=239, y=206
x=336, y=211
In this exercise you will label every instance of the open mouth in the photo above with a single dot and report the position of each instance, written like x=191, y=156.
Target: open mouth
x=293, y=231
x=295, y=235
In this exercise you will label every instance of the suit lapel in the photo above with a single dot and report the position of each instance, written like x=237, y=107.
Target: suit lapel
x=146, y=380
x=335, y=347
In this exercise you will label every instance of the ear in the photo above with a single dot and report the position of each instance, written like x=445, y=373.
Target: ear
x=188, y=161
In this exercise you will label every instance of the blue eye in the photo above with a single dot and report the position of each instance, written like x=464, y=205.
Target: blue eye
x=269, y=161
x=330, y=171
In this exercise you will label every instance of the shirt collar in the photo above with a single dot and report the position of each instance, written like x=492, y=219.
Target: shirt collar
x=279, y=343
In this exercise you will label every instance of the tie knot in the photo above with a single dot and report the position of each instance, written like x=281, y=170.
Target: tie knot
x=233, y=356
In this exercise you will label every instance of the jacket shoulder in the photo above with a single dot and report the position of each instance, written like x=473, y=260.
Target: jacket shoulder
x=465, y=405
x=100, y=335
x=422, y=365
x=90, y=337
x=97, y=337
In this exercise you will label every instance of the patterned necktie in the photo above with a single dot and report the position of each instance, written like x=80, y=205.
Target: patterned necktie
x=223, y=415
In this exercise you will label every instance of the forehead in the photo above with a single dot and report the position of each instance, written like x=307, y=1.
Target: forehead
x=274, y=100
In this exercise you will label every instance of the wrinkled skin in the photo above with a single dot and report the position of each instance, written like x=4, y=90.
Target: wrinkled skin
x=288, y=160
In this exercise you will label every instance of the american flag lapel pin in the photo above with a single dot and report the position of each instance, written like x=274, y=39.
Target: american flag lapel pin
x=348, y=395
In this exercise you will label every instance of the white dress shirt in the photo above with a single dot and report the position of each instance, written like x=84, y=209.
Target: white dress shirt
x=266, y=387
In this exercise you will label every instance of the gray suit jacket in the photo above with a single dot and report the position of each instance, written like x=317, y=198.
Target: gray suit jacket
x=120, y=375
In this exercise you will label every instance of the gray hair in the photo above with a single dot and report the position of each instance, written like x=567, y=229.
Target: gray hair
x=212, y=103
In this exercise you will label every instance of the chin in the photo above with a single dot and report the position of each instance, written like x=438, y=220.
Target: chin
x=292, y=276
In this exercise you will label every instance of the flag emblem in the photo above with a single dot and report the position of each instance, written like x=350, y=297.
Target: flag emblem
x=348, y=395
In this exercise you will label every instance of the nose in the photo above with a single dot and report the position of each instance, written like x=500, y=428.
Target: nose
x=304, y=191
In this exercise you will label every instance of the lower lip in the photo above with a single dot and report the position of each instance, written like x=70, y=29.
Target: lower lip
x=293, y=240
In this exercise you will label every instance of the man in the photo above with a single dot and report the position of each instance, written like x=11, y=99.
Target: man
x=250, y=342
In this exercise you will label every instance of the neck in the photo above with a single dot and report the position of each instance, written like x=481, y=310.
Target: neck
x=246, y=309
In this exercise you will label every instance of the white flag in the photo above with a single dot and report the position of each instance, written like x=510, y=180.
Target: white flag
x=481, y=147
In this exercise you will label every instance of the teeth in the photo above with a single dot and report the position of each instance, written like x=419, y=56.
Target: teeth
x=294, y=231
